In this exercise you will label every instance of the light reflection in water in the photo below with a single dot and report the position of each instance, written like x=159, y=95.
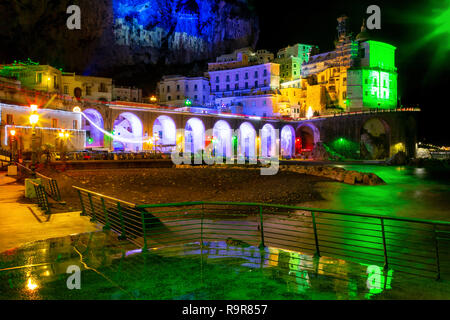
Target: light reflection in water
x=409, y=192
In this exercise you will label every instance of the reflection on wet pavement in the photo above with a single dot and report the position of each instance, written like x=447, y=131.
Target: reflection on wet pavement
x=113, y=269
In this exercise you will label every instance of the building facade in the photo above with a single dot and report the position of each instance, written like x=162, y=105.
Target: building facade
x=180, y=91
x=291, y=59
x=33, y=76
x=247, y=90
x=51, y=123
x=126, y=94
x=87, y=87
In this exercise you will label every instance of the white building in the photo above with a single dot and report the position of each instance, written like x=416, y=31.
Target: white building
x=50, y=123
x=246, y=90
x=176, y=90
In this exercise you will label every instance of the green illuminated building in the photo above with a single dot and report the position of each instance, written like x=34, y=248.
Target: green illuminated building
x=372, y=81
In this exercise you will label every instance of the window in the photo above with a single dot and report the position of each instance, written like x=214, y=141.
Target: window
x=195, y=87
x=264, y=102
x=265, y=72
x=178, y=97
x=366, y=81
x=88, y=91
x=39, y=78
x=54, y=123
x=195, y=97
x=55, y=84
x=256, y=84
x=168, y=89
x=169, y=98
x=344, y=95
x=246, y=85
x=178, y=87
x=217, y=88
x=103, y=88
x=217, y=79
x=236, y=77
x=236, y=86
x=75, y=124
x=228, y=87
x=9, y=119
x=66, y=90
x=246, y=75
x=187, y=87
x=228, y=78
x=256, y=74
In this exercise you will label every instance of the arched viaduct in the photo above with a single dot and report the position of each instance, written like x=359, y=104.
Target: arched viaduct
x=373, y=135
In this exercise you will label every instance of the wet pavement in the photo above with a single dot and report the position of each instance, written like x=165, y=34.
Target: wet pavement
x=22, y=221
x=114, y=269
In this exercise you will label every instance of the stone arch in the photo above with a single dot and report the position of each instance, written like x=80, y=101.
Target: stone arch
x=247, y=141
x=92, y=122
x=164, y=133
x=128, y=130
x=287, y=141
x=375, y=135
x=194, y=135
x=268, y=140
x=307, y=135
x=222, y=136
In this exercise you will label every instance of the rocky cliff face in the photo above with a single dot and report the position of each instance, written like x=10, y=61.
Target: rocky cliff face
x=120, y=33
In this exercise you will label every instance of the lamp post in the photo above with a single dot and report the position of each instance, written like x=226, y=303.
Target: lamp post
x=12, y=133
x=34, y=118
x=63, y=135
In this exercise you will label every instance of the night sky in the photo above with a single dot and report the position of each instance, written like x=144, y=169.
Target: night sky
x=423, y=66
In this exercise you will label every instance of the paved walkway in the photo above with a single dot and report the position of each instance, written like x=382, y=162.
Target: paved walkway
x=22, y=222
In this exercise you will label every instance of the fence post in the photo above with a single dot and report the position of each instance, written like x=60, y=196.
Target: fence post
x=316, y=238
x=144, y=230
x=94, y=217
x=122, y=224
x=57, y=193
x=436, y=245
x=106, y=226
x=83, y=211
x=262, y=244
x=201, y=227
x=386, y=265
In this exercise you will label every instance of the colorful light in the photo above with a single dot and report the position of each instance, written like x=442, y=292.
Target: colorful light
x=12, y=132
x=309, y=113
x=112, y=135
x=77, y=109
x=34, y=118
x=33, y=108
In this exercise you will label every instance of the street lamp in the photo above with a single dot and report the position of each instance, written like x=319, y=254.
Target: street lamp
x=34, y=118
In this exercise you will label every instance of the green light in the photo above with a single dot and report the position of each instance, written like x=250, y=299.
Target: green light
x=188, y=102
x=379, y=89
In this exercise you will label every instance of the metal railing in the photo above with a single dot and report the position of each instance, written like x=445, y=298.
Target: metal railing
x=41, y=196
x=412, y=246
x=50, y=185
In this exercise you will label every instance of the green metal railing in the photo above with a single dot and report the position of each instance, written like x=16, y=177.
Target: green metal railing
x=413, y=246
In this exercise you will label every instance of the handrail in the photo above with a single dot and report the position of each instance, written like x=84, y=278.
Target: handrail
x=105, y=197
x=333, y=233
x=365, y=215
